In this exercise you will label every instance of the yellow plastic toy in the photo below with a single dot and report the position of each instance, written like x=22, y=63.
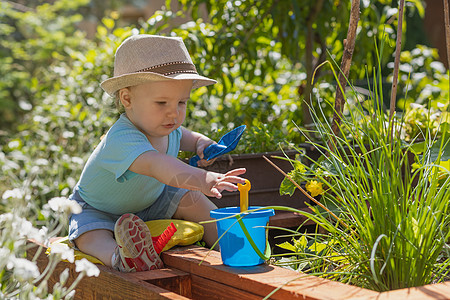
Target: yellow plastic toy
x=243, y=190
x=187, y=233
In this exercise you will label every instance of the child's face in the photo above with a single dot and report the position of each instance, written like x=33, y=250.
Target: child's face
x=157, y=108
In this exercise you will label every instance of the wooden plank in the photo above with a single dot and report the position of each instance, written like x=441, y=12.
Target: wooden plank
x=170, y=279
x=287, y=219
x=110, y=284
x=159, y=274
x=260, y=280
x=426, y=292
x=203, y=288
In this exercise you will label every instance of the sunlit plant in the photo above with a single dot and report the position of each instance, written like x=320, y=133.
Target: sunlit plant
x=412, y=126
x=386, y=218
x=313, y=256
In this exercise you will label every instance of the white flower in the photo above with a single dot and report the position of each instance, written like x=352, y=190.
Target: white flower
x=42, y=235
x=26, y=228
x=77, y=160
x=20, y=227
x=6, y=218
x=14, y=144
x=4, y=258
x=64, y=276
x=23, y=268
x=68, y=134
x=85, y=266
x=64, y=250
x=62, y=204
x=27, y=231
x=438, y=66
x=440, y=105
x=4, y=253
x=14, y=193
x=41, y=162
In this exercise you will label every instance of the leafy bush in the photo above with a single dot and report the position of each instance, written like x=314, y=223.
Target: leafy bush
x=423, y=79
x=265, y=40
x=32, y=43
x=55, y=138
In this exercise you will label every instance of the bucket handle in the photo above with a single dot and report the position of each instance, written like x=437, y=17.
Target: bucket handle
x=267, y=251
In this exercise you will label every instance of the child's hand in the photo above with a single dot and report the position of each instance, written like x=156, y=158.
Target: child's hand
x=202, y=143
x=216, y=182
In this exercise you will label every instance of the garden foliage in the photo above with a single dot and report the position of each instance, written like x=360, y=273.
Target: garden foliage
x=280, y=43
x=385, y=201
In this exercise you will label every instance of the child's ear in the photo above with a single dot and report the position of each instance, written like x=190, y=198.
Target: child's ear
x=125, y=97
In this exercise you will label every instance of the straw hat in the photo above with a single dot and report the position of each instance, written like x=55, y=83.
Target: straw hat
x=142, y=58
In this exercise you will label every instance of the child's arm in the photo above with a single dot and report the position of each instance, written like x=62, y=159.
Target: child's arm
x=196, y=142
x=171, y=171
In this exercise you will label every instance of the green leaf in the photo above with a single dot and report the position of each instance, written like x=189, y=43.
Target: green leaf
x=102, y=31
x=301, y=242
x=287, y=246
x=436, y=150
x=109, y=23
x=287, y=187
x=317, y=247
x=420, y=9
x=415, y=227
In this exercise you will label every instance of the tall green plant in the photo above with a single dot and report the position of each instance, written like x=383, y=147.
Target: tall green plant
x=390, y=223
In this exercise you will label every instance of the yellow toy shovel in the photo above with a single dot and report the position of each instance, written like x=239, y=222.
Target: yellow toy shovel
x=243, y=190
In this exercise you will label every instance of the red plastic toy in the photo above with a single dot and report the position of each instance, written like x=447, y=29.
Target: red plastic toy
x=160, y=241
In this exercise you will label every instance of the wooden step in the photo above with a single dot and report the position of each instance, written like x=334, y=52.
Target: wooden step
x=112, y=284
x=173, y=280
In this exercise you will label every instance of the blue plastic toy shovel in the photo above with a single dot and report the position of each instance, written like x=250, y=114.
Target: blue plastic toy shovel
x=226, y=144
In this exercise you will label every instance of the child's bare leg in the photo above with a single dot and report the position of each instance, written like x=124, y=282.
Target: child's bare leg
x=195, y=207
x=99, y=243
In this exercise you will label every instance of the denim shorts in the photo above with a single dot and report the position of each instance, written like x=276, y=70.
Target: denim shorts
x=91, y=218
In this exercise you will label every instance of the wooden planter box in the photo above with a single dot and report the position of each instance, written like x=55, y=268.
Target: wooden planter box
x=264, y=178
x=186, y=278
x=265, y=181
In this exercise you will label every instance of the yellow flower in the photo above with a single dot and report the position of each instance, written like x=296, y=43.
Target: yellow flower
x=115, y=15
x=299, y=166
x=315, y=188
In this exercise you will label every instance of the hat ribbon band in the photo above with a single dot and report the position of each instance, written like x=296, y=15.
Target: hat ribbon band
x=171, y=68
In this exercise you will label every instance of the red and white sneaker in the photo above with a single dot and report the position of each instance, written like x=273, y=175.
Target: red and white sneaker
x=135, y=251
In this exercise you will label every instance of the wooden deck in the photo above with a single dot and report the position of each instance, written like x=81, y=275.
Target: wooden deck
x=186, y=278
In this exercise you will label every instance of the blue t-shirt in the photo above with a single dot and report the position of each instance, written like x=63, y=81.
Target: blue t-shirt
x=107, y=184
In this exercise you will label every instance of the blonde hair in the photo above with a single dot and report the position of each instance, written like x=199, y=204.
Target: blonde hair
x=118, y=103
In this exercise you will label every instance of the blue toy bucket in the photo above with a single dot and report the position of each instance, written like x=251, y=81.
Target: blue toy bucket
x=245, y=240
